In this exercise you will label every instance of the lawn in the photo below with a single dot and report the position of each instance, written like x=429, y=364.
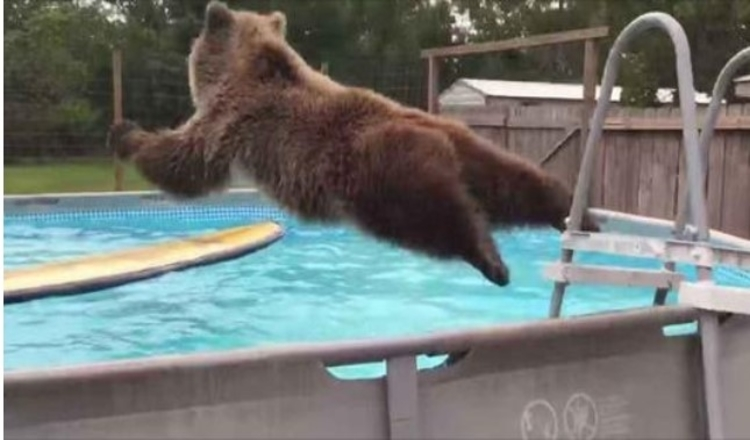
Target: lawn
x=68, y=177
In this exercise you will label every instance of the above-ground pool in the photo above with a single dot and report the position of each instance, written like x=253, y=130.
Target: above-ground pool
x=316, y=284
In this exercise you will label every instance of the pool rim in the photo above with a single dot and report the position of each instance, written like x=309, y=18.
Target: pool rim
x=364, y=351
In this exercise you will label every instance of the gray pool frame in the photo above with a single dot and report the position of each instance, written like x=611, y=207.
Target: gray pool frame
x=607, y=375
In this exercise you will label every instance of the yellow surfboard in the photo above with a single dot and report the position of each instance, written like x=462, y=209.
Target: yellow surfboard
x=87, y=274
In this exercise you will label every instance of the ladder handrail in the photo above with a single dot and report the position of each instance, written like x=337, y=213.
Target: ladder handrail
x=692, y=200
x=694, y=203
x=728, y=72
x=686, y=90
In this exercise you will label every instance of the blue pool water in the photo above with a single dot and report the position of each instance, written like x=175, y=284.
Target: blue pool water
x=316, y=284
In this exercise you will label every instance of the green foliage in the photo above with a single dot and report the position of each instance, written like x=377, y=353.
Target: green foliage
x=716, y=30
x=58, y=52
x=639, y=83
x=75, y=115
x=53, y=51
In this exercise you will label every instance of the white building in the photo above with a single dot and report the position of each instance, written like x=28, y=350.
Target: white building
x=742, y=86
x=468, y=92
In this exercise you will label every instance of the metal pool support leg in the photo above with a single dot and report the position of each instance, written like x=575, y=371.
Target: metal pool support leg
x=555, y=307
x=689, y=132
x=710, y=343
x=660, y=297
x=403, y=395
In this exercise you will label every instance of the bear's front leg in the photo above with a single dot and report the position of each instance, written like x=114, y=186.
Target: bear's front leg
x=184, y=162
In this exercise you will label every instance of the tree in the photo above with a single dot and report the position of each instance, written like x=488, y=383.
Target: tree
x=716, y=30
x=53, y=52
x=58, y=52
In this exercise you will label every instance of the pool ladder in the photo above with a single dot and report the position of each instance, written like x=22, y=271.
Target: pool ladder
x=690, y=244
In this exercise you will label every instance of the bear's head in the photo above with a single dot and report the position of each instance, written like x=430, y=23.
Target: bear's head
x=230, y=45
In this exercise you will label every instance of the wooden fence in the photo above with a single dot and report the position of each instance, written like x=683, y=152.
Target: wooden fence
x=641, y=166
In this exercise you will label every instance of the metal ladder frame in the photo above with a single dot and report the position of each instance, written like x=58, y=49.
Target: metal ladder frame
x=686, y=246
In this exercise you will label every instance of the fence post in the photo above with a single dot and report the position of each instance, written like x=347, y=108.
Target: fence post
x=117, y=102
x=433, y=78
x=590, y=64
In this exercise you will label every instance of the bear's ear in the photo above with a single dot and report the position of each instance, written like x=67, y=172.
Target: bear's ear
x=271, y=64
x=278, y=22
x=218, y=16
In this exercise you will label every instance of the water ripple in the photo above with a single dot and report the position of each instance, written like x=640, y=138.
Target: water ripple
x=317, y=284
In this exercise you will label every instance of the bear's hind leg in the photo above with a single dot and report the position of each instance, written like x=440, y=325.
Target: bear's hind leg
x=409, y=192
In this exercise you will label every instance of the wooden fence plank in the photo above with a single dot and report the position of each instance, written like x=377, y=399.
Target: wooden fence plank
x=498, y=138
x=634, y=141
x=564, y=164
x=630, y=123
x=486, y=133
x=647, y=178
x=715, y=178
x=615, y=175
x=668, y=147
x=570, y=159
x=639, y=169
x=673, y=123
x=736, y=206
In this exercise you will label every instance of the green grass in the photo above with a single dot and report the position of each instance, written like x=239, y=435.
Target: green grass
x=90, y=175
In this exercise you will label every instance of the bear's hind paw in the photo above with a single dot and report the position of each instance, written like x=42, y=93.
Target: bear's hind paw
x=496, y=272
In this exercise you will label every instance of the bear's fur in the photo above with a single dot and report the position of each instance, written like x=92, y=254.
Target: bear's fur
x=331, y=153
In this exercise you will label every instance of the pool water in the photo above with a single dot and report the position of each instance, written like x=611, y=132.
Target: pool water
x=316, y=284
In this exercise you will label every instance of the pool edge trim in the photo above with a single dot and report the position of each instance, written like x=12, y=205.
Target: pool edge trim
x=361, y=351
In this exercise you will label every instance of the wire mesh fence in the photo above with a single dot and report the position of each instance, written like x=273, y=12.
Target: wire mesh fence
x=41, y=126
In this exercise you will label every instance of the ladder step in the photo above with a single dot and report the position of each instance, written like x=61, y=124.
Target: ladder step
x=709, y=296
x=576, y=273
x=667, y=250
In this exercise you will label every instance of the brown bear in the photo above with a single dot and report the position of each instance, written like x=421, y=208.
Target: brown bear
x=331, y=153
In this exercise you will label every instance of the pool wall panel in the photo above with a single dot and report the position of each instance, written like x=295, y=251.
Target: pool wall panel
x=736, y=376
x=608, y=381
x=617, y=375
x=256, y=399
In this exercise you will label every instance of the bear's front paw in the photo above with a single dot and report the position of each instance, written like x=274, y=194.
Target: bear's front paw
x=116, y=139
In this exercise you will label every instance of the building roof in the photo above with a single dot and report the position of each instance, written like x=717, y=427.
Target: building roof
x=548, y=90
